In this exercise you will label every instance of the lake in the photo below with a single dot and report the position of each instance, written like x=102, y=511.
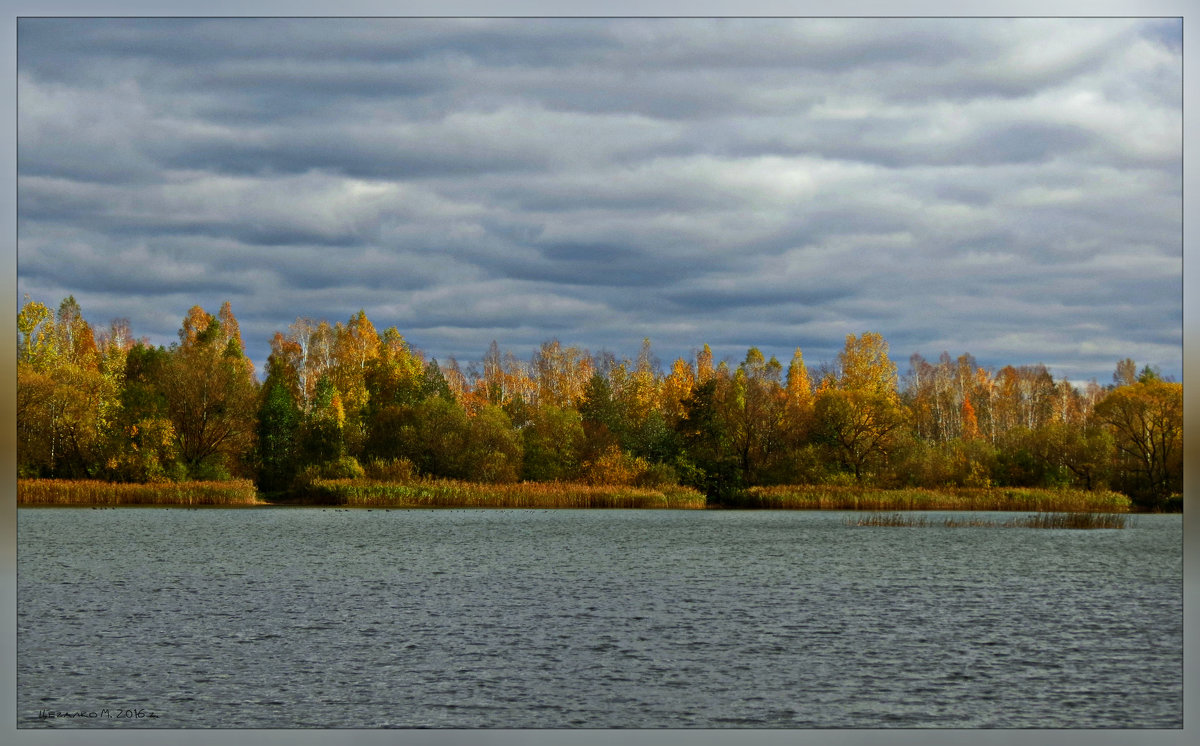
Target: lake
x=322, y=618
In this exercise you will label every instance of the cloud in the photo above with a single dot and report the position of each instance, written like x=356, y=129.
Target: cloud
x=1009, y=188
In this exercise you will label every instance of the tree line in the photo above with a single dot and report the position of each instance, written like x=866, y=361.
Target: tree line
x=343, y=400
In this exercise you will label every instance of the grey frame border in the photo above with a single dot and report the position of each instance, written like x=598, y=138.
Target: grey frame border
x=13, y=9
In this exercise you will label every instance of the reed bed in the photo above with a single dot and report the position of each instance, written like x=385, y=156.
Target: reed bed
x=824, y=497
x=1072, y=520
x=444, y=493
x=97, y=492
x=1041, y=520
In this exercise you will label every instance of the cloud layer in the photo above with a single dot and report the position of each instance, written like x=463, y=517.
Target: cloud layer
x=1008, y=188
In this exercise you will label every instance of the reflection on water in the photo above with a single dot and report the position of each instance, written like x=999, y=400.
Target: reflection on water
x=529, y=618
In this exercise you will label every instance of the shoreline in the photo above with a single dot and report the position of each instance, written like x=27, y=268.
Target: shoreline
x=370, y=494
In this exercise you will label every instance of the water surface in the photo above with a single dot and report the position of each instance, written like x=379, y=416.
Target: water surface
x=310, y=617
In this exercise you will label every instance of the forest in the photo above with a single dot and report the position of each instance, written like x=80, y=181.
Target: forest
x=343, y=400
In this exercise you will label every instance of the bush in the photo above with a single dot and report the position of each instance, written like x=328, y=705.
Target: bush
x=657, y=475
x=552, y=443
x=840, y=479
x=210, y=470
x=345, y=467
x=493, y=450
x=390, y=470
x=614, y=467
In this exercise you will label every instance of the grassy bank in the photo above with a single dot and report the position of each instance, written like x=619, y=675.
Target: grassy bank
x=96, y=492
x=1041, y=520
x=454, y=494
x=815, y=497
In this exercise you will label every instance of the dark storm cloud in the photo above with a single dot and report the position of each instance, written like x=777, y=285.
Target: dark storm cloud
x=596, y=265
x=1009, y=188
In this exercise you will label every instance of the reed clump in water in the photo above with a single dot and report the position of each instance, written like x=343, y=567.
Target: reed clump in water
x=97, y=492
x=887, y=519
x=838, y=497
x=447, y=493
x=1041, y=520
x=1072, y=520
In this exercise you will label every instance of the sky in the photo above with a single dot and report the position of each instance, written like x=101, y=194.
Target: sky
x=1008, y=188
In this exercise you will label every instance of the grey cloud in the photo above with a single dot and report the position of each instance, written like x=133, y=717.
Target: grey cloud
x=335, y=152
x=783, y=306
x=1023, y=142
x=154, y=279
x=1007, y=188
x=595, y=265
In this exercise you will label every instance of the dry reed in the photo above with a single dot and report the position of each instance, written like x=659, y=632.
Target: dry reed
x=96, y=492
x=445, y=493
x=826, y=497
x=1041, y=520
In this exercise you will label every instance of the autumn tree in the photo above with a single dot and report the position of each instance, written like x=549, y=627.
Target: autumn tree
x=278, y=432
x=753, y=412
x=561, y=373
x=640, y=393
x=675, y=389
x=445, y=442
x=493, y=449
x=210, y=395
x=1024, y=397
x=921, y=396
x=865, y=366
x=553, y=445
x=66, y=404
x=603, y=424
x=859, y=428
x=704, y=365
x=456, y=380
x=323, y=435
x=518, y=389
x=858, y=413
x=437, y=443
x=709, y=461
x=492, y=381
x=1126, y=373
x=940, y=396
x=1146, y=422
x=798, y=403
x=36, y=329
x=355, y=345
x=1086, y=451
x=149, y=446
x=396, y=374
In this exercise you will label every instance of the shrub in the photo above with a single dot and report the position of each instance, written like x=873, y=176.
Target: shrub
x=656, y=475
x=210, y=470
x=613, y=467
x=493, y=448
x=390, y=470
x=344, y=467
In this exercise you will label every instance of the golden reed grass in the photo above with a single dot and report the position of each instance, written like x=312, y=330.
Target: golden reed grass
x=819, y=497
x=452, y=493
x=96, y=492
x=446, y=493
x=1041, y=520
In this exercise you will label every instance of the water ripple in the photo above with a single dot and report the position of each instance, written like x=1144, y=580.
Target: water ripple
x=508, y=618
